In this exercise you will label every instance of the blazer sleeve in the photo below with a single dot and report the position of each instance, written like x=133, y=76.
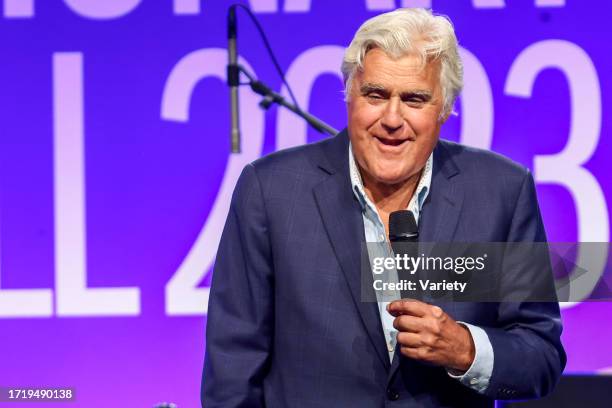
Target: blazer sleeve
x=529, y=356
x=240, y=310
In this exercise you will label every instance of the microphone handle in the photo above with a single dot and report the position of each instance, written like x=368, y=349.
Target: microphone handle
x=406, y=245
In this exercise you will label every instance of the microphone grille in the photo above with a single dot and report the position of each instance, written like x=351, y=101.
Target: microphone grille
x=402, y=223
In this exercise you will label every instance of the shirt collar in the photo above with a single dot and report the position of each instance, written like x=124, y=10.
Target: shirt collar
x=416, y=202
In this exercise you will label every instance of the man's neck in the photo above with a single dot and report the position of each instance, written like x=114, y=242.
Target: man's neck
x=389, y=198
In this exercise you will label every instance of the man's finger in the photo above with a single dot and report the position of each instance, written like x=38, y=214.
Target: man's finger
x=416, y=353
x=407, y=323
x=412, y=340
x=410, y=307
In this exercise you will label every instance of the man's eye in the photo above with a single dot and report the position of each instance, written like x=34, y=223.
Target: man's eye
x=375, y=96
x=414, y=101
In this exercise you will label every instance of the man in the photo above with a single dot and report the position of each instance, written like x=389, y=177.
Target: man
x=286, y=324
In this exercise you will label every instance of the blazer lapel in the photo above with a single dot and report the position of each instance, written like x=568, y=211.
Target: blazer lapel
x=341, y=215
x=442, y=208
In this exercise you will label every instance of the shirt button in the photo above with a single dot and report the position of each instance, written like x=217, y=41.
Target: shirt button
x=392, y=394
x=474, y=381
x=390, y=347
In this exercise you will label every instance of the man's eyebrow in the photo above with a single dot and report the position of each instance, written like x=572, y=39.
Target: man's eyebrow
x=370, y=87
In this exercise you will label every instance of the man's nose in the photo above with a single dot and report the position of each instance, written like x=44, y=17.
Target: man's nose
x=392, y=119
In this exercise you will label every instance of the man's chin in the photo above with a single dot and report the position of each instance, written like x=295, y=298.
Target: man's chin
x=391, y=179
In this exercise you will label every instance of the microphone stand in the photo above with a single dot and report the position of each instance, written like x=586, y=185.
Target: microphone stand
x=270, y=97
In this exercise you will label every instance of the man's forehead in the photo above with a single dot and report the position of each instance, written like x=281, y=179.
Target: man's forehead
x=373, y=80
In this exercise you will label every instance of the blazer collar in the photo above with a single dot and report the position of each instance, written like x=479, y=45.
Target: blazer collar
x=442, y=207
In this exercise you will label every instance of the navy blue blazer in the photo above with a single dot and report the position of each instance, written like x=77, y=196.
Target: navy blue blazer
x=286, y=327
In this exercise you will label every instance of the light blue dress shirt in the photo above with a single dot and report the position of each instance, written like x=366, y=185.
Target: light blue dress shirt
x=478, y=375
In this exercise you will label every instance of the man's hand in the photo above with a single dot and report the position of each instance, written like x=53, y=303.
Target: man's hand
x=428, y=334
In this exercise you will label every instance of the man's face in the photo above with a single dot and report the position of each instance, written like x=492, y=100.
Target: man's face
x=394, y=116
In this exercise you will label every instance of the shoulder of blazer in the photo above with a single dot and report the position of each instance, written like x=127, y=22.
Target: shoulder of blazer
x=475, y=162
x=329, y=155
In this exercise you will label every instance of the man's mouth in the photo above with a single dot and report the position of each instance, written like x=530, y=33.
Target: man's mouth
x=390, y=142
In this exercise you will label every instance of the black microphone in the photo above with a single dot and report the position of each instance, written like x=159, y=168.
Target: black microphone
x=403, y=227
x=404, y=238
x=233, y=77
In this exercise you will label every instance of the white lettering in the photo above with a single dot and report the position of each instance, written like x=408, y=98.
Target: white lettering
x=416, y=3
x=19, y=8
x=183, y=296
x=566, y=168
x=73, y=296
x=102, y=10
x=380, y=5
x=489, y=3
x=264, y=6
x=476, y=103
x=186, y=7
x=307, y=67
x=550, y=3
x=25, y=302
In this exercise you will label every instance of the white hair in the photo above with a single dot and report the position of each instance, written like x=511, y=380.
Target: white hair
x=409, y=31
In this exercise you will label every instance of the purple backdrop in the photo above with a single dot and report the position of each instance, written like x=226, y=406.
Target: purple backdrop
x=116, y=172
